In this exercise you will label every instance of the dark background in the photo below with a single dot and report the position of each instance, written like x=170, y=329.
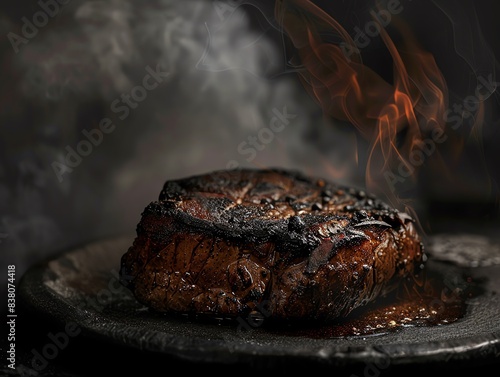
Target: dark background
x=227, y=71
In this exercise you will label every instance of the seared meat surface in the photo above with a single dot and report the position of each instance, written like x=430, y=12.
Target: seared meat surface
x=222, y=243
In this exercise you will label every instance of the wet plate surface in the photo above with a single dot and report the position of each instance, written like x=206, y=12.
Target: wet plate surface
x=81, y=285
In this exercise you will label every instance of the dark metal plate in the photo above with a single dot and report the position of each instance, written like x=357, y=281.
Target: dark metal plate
x=81, y=286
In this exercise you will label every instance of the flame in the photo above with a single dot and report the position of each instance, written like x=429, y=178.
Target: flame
x=394, y=117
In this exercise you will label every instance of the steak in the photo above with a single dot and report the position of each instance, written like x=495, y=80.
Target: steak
x=222, y=244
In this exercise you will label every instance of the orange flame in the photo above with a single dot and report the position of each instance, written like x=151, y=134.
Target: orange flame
x=394, y=117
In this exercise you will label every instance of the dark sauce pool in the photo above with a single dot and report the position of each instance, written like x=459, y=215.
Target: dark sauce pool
x=437, y=297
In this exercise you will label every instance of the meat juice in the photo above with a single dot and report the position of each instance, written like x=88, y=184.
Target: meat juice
x=432, y=298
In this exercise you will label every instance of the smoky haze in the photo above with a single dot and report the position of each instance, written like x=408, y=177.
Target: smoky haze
x=216, y=79
x=178, y=88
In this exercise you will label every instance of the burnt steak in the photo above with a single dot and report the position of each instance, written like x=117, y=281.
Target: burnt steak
x=224, y=243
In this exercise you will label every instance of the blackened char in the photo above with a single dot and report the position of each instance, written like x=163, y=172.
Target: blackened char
x=223, y=243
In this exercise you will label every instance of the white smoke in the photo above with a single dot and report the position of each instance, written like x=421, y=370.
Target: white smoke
x=226, y=75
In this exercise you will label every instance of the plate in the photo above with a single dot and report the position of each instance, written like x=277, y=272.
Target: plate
x=81, y=285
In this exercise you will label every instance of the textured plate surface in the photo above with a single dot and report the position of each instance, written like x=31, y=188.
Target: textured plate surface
x=82, y=286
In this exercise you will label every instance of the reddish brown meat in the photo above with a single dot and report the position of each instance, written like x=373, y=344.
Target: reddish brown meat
x=221, y=243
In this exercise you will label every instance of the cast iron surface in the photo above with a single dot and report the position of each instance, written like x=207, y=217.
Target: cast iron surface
x=81, y=285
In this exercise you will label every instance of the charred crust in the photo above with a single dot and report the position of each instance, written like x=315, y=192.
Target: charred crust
x=266, y=234
x=273, y=205
x=263, y=204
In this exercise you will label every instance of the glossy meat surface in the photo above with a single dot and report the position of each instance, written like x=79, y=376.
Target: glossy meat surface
x=223, y=243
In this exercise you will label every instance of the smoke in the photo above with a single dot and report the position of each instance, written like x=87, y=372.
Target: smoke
x=468, y=40
x=446, y=152
x=460, y=36
x=222, y=78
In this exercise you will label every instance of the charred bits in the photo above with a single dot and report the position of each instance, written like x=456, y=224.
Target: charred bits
x=296, y=224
